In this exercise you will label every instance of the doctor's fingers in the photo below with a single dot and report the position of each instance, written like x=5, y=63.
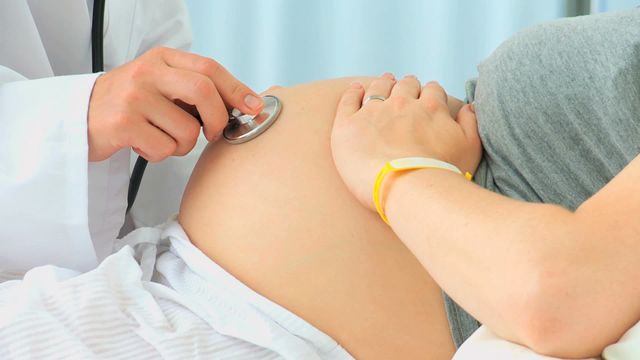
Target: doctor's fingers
x=234, y=93
x=150, y=142
x=198, y=90
x=174, y=121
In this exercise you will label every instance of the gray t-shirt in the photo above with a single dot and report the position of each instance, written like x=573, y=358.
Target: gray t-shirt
x=558, y=109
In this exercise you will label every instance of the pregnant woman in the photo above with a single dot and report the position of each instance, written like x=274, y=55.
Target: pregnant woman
x=557, y=108
x=277, y=252
x=280, y=219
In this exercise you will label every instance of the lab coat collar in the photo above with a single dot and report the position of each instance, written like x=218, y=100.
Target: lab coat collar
x=20, y=46
x=65, y=31
x=38, y=40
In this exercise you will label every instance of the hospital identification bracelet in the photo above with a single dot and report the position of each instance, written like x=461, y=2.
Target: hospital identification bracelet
x=404, y=164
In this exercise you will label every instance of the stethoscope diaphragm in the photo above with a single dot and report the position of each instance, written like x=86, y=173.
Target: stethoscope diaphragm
x=243, y=127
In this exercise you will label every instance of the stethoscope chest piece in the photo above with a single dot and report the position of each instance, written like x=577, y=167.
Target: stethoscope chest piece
x=243, y=128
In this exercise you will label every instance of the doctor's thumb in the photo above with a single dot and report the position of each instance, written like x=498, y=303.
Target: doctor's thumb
x=234, y=93
x=242, y=98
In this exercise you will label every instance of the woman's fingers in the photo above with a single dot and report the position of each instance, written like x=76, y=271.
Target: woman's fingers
x=350, y=102
x=409, y=86
x=434, y=97
x=380, y=87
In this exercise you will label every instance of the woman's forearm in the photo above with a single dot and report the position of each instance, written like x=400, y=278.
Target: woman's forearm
x=534, y=273
x=476, y=244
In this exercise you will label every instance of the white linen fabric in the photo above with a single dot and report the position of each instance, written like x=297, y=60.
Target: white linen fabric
x=157, y=297
x=57, y=208
x=627, y=348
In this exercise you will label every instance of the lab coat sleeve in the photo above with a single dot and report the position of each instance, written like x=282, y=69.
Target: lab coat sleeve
x=43, y=172
x=131, y=28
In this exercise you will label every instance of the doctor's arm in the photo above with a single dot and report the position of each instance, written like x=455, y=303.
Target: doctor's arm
x=560, y=282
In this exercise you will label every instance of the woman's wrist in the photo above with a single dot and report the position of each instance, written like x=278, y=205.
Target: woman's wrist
x=406, y=164
x=402, y=190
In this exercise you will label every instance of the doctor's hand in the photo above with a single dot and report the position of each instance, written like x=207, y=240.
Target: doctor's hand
x=412, y=121
x=150, y=104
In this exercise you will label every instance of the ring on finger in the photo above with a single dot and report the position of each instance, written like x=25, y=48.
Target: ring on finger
x=373, y=97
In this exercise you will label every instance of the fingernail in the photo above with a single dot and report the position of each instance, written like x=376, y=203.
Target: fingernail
x=253, y=102
x=433, y=82
x=472, y=108
x=356, y=85
x=389, y=76
x=412, y=76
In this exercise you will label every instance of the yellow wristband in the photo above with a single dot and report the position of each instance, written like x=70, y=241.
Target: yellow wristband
x=403, y=164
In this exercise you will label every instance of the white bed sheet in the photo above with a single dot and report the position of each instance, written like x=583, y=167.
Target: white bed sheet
x=157, y=297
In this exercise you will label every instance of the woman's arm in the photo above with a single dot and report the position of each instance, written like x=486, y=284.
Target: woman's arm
x=559, y=282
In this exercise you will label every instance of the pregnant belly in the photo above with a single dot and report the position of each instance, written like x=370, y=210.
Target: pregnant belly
x=275, y=214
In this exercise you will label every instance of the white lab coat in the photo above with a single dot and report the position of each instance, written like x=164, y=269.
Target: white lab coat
x=55, y=206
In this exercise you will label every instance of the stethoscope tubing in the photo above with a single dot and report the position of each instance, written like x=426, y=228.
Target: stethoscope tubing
x=97, y=65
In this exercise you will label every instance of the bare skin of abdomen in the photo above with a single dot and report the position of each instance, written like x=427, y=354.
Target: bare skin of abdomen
x=275, y=214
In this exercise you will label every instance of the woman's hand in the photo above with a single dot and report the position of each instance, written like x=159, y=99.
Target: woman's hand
x=413, y=121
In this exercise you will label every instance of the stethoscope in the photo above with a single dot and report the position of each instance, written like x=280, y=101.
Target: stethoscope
x=240, y=129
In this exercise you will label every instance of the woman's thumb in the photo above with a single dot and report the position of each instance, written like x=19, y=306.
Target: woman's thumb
x=467, y=120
